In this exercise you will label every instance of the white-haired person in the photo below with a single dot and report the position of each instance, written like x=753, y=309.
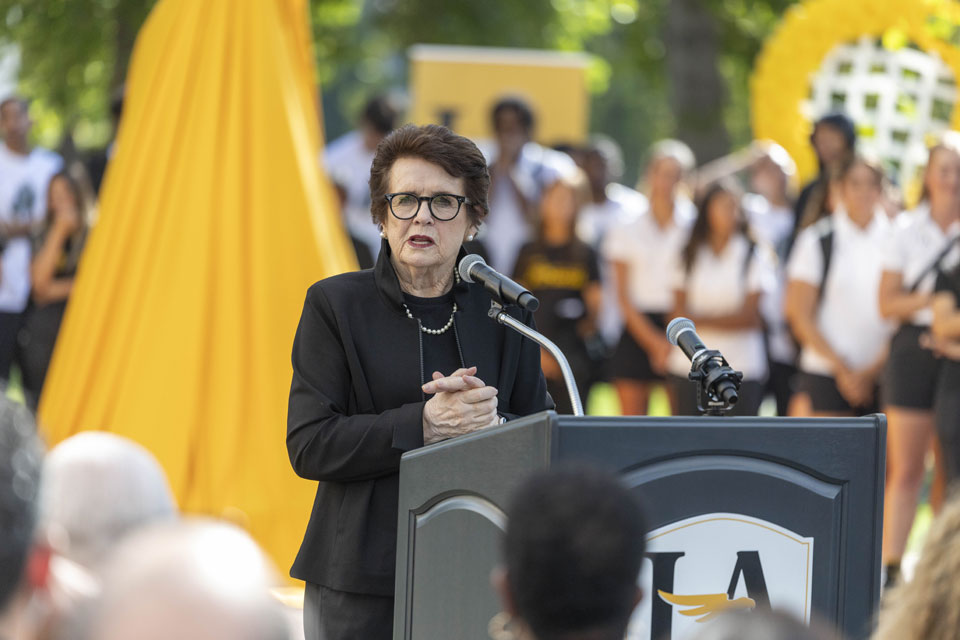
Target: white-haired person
x=189, y=580
x=642, y=252
x=98, y=487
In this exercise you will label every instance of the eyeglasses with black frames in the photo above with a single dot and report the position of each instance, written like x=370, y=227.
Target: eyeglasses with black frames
x=442, y=206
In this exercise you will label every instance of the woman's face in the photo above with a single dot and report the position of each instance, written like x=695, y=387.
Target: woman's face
x=722, y=214
x=559, y=205
x=61, y=197
x=861, y=190
x=423, y=242
x=943, y=176
x=664, y=176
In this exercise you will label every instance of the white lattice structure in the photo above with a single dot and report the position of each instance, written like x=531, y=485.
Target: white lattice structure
x=897, y=99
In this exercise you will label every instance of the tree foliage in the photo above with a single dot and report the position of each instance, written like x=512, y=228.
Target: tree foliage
x=74, y=53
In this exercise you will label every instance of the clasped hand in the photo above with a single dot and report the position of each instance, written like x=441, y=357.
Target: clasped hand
x=463, y=403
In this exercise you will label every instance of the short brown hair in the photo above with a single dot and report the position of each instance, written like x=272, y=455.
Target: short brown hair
x=455, y=154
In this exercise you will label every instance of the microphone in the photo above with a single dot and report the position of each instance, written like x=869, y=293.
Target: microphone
x=709, y=367
x=473, y=268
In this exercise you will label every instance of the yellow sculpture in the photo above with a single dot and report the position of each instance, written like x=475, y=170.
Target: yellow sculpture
x=214, y=220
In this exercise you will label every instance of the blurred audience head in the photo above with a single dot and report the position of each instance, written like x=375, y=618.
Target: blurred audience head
x=379, y=117
x=562, y=200
x=834, y=138
x=456, y=155
x=15, y=122
x=602, y=161
x=926, y=607
x=98, y=487
x=21, y=458
x=941, y=178
x=190, y=580
x=719, y=216
x=763, y=625
x=861, y=186
x=825, y=195
x=670, y=161
x=770, y=175
x=575, y=539
x=69, y=190
x=513, y=123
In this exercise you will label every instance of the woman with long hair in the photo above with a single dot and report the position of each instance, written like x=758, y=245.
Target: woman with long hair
x=833, y=274
x=563, y=273
x=718, y=283
x=57, y=249
x=920, y=239
x=642, y=251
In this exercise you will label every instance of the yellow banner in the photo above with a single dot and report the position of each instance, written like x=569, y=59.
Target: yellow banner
x=458, y=86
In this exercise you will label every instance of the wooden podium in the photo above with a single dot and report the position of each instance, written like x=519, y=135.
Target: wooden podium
x=774, y=512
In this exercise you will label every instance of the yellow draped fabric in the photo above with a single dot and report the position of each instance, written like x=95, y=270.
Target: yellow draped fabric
x=214, y=219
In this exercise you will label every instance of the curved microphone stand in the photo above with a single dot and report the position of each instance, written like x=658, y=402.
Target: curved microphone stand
x=497, y=313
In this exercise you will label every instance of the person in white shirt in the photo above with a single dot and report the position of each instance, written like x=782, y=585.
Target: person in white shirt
x=718, y=282
x=347, y=161
x=25, y=173
x=919, y=240
x=520, y=169
x=833, y=275
x=642, y=252
x=610, y=204
x=771, y=220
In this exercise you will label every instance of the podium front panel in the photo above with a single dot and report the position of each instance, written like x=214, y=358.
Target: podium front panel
x=774, y=512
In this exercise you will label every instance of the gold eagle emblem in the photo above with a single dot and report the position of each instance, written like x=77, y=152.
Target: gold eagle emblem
x=706, y=605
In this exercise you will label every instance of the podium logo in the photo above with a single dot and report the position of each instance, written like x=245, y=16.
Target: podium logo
x=697, y=568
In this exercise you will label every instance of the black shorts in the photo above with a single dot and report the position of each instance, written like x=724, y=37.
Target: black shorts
x=825, y=397
x=630, y=361
x=910, y=377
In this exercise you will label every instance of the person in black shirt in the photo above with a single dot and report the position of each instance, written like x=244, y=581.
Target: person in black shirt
x=56, y=254
x=564, y=274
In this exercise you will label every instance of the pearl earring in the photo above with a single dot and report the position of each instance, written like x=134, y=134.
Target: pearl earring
x=383, y=234
x=470, y=238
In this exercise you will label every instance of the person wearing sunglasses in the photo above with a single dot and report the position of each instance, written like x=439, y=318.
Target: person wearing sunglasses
x=390, y=359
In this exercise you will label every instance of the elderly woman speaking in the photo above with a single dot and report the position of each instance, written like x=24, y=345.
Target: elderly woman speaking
x=389, y=359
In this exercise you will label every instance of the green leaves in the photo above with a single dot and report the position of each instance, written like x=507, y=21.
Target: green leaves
x=73, y=53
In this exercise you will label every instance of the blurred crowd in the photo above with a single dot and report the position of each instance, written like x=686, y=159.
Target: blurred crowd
x=831, y=297
x=92, y=548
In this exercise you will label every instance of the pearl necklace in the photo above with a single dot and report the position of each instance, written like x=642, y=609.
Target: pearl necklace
x=442, y=330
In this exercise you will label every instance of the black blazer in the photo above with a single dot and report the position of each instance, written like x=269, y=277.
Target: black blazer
x=356, y=406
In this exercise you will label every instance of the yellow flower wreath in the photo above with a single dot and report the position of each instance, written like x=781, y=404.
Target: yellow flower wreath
x=780, y=83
